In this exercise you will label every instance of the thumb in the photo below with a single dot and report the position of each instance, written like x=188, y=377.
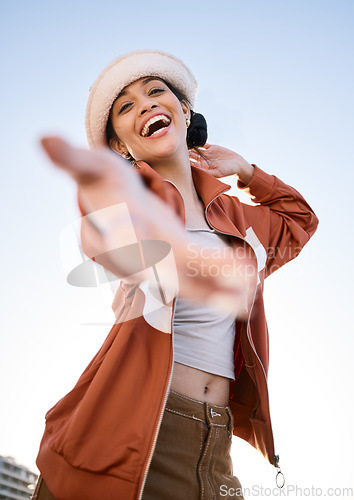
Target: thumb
x=81, y=164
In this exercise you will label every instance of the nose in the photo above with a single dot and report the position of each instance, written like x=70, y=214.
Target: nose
x=147, y=106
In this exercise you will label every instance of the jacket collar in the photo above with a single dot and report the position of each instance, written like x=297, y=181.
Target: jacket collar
x=208, y=188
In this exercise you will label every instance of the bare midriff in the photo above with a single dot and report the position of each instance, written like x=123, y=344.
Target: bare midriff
x=200, y=385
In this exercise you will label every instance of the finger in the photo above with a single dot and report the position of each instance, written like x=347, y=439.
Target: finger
x=200, y=165
x=194, y=155
x=195, y=160
x=83, y=165
x=206, y=146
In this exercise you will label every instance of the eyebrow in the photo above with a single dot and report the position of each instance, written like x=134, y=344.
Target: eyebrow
x=144, y=82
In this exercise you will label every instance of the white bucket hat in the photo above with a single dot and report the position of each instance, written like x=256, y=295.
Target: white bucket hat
x=125, y=70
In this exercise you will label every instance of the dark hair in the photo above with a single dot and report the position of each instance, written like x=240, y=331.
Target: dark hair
x=197, y=132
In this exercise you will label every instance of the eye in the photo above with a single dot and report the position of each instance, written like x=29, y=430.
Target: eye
x=156, y=91
x=124, y=107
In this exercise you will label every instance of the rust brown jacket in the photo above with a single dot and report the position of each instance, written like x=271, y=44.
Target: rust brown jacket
x=99, y=438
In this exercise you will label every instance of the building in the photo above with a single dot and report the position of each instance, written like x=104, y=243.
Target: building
x=16, y=481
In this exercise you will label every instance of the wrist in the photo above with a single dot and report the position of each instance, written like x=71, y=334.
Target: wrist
x=245, y=172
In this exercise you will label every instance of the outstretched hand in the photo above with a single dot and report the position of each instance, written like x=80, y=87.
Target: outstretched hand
x=106, y=183
x=221, y=162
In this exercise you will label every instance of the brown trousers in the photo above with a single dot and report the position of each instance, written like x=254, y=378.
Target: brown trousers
x=192, y=455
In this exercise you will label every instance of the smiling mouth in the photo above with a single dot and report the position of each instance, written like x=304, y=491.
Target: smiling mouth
x=155, y=125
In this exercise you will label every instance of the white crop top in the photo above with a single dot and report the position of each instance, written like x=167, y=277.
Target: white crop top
x=204, y=337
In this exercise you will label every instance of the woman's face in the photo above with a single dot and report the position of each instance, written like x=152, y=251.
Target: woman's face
x=149, y=121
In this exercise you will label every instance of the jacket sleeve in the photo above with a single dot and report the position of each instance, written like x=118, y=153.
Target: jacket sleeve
x=283, y=212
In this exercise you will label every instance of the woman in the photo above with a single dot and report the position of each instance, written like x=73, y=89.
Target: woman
x=153, y=414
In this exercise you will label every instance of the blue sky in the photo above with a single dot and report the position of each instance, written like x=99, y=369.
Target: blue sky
x=276, y=85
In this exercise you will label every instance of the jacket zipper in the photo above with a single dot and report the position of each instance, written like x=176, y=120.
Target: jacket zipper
x=161, y=416
x=168, y=387
x=280, y=480
x=254, y=295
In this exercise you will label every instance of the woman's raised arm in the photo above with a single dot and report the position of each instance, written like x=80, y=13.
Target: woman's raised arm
x=105, y=183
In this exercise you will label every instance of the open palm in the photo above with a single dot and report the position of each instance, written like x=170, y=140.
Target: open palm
x=217, y=160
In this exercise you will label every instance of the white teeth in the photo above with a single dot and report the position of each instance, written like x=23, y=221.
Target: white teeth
x=152, y=120
x=156, y=131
